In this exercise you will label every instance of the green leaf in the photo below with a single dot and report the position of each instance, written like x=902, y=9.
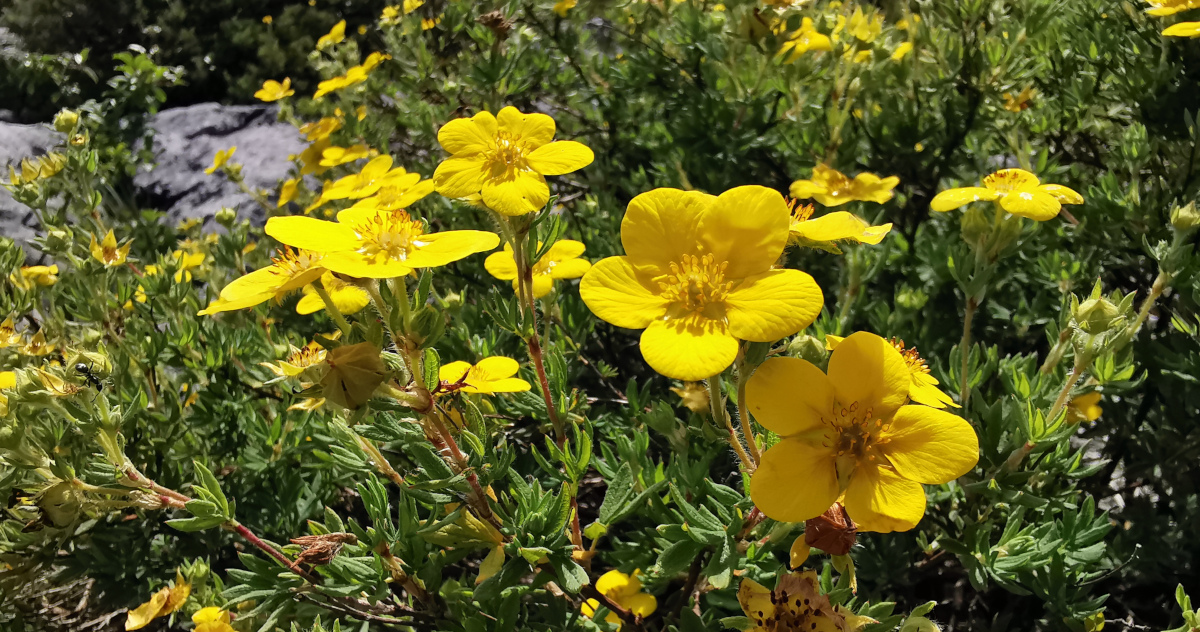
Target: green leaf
x=618, y=494
x=433, y=364
x=194, y=524
x=209, y=482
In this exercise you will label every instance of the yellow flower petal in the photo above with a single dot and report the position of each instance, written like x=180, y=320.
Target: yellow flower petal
x=359, y=266
x=795, y=481
x=641, y=604
x=930, y=446
x=1009, y=180
x=616, y=584
x=542, y=285
x=840, y=226
x=661, y=225
x=746, y=227
x=461, y=177
x=531, y=130
x=313, y=234
x=1183, y=29
x=570, y=269
x=879, y=500
x=472, y=135
x=141, y=616
x=689, y=348
x=523, y=192
x=439, y=249
x=564, y=249
x=502, y=265
x=613, y=291
x=951, y=199
x=867, y=369
x=211, y=614
x=924, y=390
x=1035, y=205
x=756, y=601
x=772, y=305
x=788, y=396
x=8, y=379
x=559, y=157
x=1062, y=194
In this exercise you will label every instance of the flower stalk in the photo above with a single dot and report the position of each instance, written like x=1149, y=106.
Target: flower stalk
x=720, y=415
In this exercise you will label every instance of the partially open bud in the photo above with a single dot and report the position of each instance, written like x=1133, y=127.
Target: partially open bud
x=975, y=225
x=808, y=348
x=1097, y=315
x=1185, y=218
x=226, y=217
x=833, y=531
x=66, y=120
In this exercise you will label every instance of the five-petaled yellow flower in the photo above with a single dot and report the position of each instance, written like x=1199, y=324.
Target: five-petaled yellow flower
x=802, y=40
x=561, y=261
x=374, y=244
x=298, y=360
x=489, y=375
x=291, y=270
x=1016, y=191
x=626, y=591
x=697, y=276
x=827, y=230
x=107, y=252
x=273, y=90
x=505, y=159
x=220, y=159
x=830, y=187
x=851, y=435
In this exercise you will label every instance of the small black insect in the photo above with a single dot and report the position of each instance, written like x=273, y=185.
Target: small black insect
x=86, y=371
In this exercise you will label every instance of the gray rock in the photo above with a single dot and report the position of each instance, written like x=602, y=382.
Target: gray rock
x=16, y=142
x=186, y=139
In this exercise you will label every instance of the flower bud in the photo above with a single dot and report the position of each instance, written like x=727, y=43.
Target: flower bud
x=66, y=120
x=807, y=348
x=1097, y=315
x=226, y=217
x=975, y=225
x=1185, y=218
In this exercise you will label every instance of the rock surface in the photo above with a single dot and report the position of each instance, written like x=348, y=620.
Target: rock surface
x=186, y=139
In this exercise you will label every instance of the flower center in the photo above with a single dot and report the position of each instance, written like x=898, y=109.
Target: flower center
x=307, y=356
x=392, y=235
x=800, y=212
x=290, y=263
x=696, y=282
x=916, y=364
x=508, y=156
x=856, y=432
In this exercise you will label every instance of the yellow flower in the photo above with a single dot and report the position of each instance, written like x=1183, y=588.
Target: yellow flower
x=825, y=231
x=802, y=40
x=399, y=190
x=375, y=175
x=107, y=252
x=850, y=435
x=56, y=386
x=211, y=619
x=322, y=129
x=795, y=605
x=354, y=75
x=830, y=187
x=1016, y=191
x=697, y=276
x=289, y=271
x=863, y=28
x=625, y=591
x=1020, y=102
x=273, y=90
x=390, y=15
x=139, y=295
x=693, y=395
x=347, y=297
x=220, y=159
x=505, y=158
x=561, y=261
x=1183, y=29
x=8, y=334
x=562, y=6
x=38, y=346
x=334, y=156
x=412, y=5
x=489, y=375
x=163, y=603
x=902, y=50
x=31, y=169
x=268, y=19
x=298, y=361
x=8, y=379
x=861, y=57
x=1082, y=408
x=287, y=192
x=310, y=158
x=429, y=23
x=369, y=243
x=29, y=276
x=1171, y=7
x=187, y=261
x=334, y=36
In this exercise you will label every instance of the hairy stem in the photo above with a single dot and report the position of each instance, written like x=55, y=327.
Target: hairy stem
x=744, y=412
x=965, y=345
x=721, y=416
